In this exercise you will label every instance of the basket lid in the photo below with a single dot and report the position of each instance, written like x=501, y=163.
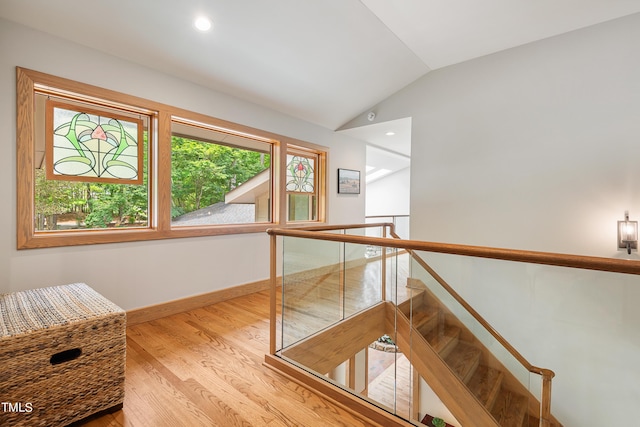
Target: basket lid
x=35, y=309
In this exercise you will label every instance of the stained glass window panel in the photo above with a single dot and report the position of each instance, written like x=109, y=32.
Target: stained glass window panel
x=92, y=145
x=300, y=174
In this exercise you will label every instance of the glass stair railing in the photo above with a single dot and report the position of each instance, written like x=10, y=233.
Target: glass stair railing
x=336, y=290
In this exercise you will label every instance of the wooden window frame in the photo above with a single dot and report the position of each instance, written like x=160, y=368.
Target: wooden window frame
x=29, y=82
x=206, y=126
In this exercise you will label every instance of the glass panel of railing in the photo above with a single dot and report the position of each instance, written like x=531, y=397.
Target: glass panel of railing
x=311, y=287
x=373, y=257
x=362, y=278
x=369, y=277
x=490, y=371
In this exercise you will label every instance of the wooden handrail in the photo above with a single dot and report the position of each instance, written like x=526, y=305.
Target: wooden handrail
x=574, y=261
x=546, y=258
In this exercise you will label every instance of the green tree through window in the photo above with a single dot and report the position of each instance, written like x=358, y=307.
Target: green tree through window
x=204, y=173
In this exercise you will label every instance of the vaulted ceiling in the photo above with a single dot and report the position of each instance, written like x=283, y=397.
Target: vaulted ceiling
x=323, y=61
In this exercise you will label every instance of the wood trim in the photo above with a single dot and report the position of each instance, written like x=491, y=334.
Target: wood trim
x=547, y=258
x=340, y=397
x=24, y=157
x=28, y=81
x=163, y=192
x=153, y=312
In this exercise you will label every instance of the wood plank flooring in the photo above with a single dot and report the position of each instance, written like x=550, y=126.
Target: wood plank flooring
x=205, y=368
x=392, y=388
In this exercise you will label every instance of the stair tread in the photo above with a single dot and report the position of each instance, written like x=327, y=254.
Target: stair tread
x=510, y=409
x=423, y=315
x=414, y=283
x=441, y=337
x=485, y=384
x=463, y=360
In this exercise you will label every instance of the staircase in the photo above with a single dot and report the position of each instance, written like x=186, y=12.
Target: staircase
x=508, y=401
x=473, y=384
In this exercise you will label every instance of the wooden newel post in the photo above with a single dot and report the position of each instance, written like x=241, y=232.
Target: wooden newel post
x=545, y=404
x=272, y=304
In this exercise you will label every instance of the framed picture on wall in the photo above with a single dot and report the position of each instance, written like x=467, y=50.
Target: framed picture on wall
x=348, y=181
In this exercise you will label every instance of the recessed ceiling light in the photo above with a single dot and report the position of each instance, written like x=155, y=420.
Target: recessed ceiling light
x=202, y=23
x=390, y=133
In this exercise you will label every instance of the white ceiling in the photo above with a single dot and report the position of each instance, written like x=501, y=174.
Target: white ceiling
x=445, y=32
x=323, y=61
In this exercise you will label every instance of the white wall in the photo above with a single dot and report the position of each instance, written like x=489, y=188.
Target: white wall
x=532, y=148
x=389, y=195
x=538, y=148
x=144, y=273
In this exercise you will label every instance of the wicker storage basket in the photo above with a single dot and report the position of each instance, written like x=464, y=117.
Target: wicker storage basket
x=62, y=355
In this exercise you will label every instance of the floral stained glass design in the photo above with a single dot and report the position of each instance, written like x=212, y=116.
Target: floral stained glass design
x=92, y=146
x=300, y=174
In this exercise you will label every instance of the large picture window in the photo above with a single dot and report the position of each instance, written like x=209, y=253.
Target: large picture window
x=98, y=166
x=218, y=177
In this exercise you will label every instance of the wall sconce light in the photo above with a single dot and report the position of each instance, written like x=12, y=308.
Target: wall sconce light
x=627, y=234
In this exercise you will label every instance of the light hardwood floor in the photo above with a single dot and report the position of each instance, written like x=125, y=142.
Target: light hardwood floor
x=392, y=387
x=205, y=368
